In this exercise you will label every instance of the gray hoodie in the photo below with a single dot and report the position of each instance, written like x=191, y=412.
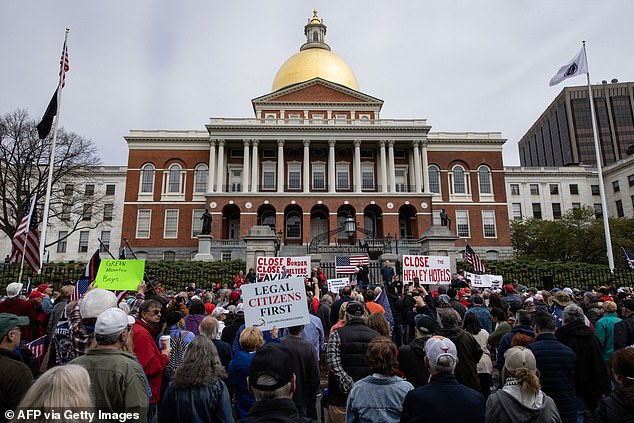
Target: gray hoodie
x=510, y=404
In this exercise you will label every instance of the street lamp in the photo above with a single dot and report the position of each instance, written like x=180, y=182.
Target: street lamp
x=350, y=226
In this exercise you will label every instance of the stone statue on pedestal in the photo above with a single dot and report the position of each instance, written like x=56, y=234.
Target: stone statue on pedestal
x=206, y=218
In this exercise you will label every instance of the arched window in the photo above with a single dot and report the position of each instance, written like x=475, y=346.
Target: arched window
x=459, y=185
x=484, y=180
x=268, y=219
x=315, y=37
x=200, y=178
x=147, y=178
x=174, y=179
x=433, y=173
x=293, y=225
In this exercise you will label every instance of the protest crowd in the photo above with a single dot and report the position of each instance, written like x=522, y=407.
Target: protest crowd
x=375, y=351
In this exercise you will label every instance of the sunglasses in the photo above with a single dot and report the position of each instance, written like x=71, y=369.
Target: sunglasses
x=154, y=312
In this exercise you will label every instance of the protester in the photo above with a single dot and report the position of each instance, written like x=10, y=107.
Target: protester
x=220, y=313
x=16, y=376
x=412, y=355
x=387, y=274
x=323, y=312
x=379, y=323
x=209, y=328
x=560, y=300
x=82, y=318
x=197, y=393
x=117, y=380
x=345, y=296
x=619, y=406
x=591, y=307
x=511, y=299
x=604, y=328
x=251, y=339
x=520, y=400
x=482, y=313
x=179, y=340
x=523, y=322
x=370, y=304
x=471, y=324
x=502, y=326
x=195, y=316
x=306, y=369
x=13, y=304
x=233, y=324
x=443, y=398
x=623, y=330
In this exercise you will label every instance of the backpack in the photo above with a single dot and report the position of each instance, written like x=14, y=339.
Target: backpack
x=179, y=347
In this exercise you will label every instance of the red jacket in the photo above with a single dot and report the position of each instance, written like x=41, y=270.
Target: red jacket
x=150, y=357
x=20, y=307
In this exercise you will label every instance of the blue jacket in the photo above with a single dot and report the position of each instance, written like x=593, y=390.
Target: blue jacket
x=505, y=342
x=365, y=406
x=484, y=316
x=556, y=364
x=430, y=402
x=238, y=371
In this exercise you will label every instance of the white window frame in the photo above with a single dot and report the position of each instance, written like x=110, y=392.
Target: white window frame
x=167, y=194
x=530, y=189
x=62, y=241
x=108, y=212
x=318, y=118
x=105, y=241
x=514, y=189
x=201, y=172
x=454, y=181
x=235, y=182
x=269, y=167
x=343, y=166
x=83, y=244
x=401, y=186
x=367, y=168
x=435, y=216
x=515, y=208
x=489, y=173
x=147, y=214
x=197, y=223
x=322, y=167
x=487, y=215
x=461, y=217
x=294, y=167
x=429, y=179
x=147, y=169
x=173, y=233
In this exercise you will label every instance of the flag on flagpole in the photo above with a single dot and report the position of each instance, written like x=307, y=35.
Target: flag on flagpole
x=576, y=66
x=472, y=258
x=37, y=346
x=81, y=286
x=122, y=254
x=92, y=267
x=26, y=240
x=629, y=257
x=347, y=265
x=45, y=125
x=385, y=303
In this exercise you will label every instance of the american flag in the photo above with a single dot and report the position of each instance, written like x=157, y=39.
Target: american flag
x=63, y=65
x=80, y=289
x=472, y=258
x=37, y=347
x=347, y=265
x=385, y=303
x=629, y=257
x=121, y=295
x=27, y=239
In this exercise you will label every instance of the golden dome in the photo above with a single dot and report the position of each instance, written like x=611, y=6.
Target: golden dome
x=315, y=19
x=312, y=63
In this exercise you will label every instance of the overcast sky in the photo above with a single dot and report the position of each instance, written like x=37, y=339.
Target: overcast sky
x=464, y=65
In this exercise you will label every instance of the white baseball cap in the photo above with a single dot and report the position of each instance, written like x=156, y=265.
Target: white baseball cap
x=113, y=320
x=13, y=289
x=97, y=301
x=218, y=311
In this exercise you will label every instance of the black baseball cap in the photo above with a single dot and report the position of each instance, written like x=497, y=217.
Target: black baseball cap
x=274, y=361
x=355, y=309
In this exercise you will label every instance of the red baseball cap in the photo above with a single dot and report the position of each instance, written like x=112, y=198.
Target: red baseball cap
x=43, y=287
x=36, y=294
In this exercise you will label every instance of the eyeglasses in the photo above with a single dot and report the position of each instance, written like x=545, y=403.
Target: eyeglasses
x=155, y=312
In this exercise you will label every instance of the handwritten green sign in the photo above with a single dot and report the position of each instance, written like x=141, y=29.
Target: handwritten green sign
x=120, y=274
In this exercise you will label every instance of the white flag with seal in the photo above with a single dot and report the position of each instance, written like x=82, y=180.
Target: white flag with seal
x=575, y=67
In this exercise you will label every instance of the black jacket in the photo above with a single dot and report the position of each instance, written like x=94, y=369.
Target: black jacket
x=624, y=333
x=469, y=353
x=612, y=409
x=306, y=368
x=275, y=411
x=411, y=361
x=205, y=403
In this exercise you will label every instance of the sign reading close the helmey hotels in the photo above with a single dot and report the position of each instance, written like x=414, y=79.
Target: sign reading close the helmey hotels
x=428, y=269
x=271, y=268
x=280, y=302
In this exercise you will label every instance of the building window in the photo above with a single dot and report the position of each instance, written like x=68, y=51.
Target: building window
x=576, y=206
x=235, y=174
x=200, y=178
x=225, y=256
x=269, y=153
x=433, y=173
x=61, y=241
x=343, y=176
x=169, y=255
x=488, y=223
x=515, y=189
x=534, y=189
x=462, y=223
x=318, y=119
x=197, y=223
x=108, y=212
x=293, y=118
x=294, y=225
x=484, y=180
x=537, y=210
x=268, y=219
x=554, y=189
x=630, y=180
x=517, y=211
x=491, y=255
x=174, y=179
x=171, y=224
x=319, y=176
x=87, y=212
x=574, y=189
x=268, y=176
x=65, y=216
x=68, y=190
x=105, y=241
x=595, y=190
x=294, y=176
x=83, y=241
x=619, y=208
x=367, y=176
x=90, y=190
x=598, y=210
x=436, y=217
x=459, y=184
x=110, y=188
x=147, y=178
x=143, y=220
x=400, y=178
x=556, y=211
x=615, y=186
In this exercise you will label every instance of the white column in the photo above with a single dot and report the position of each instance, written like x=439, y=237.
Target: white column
x=220, y=180
x=391, y=175
x=332, y=177
x=245, y=166
x=356, y=168
x=255, y=167
x=211, y=174
x=306, y=165
x=280, y=165
x=384, y=182
x=425, y=166
x=417, y=169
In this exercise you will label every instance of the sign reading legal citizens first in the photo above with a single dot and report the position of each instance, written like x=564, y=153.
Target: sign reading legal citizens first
x=428, y=269
x=279, y=302
x=117, y=275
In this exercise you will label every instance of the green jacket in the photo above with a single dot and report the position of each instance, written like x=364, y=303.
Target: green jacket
x=604, y=329
x=500, y=330
x=16, y=380
x=117, y=381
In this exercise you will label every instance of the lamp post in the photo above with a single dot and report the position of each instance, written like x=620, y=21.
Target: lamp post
x=350, y=226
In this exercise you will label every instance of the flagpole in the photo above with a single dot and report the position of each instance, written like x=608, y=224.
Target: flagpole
x=26, y=239
x=49, y=185
x=604, y=204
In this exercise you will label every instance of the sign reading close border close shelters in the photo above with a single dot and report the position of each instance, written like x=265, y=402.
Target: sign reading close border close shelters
x=271, y=268
x=428, y=269
x=280, y=302
x=117, y=275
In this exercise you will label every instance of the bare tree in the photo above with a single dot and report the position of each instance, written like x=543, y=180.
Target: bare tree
x=24, y=164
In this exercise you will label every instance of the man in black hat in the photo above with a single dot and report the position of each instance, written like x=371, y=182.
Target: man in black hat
x=412, y=355
x=624, y=330
x=272, y=382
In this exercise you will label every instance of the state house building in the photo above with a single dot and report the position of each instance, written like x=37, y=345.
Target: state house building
x=316, y=153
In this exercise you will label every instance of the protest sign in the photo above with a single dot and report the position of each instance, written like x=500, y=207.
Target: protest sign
x=278, y=302
x=428, y=269
x=271, y=268
x=120, y=274
x=484, y=281
x=334, y=285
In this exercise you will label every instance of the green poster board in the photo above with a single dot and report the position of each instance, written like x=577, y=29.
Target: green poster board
x=120, y=274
